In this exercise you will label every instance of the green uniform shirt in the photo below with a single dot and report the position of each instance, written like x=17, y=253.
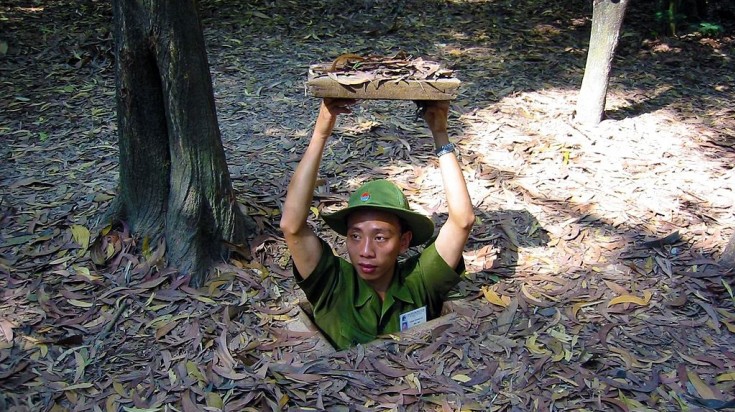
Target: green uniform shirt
x=349, y=311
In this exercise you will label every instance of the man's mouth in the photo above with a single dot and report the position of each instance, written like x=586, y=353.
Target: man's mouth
x=367, y=268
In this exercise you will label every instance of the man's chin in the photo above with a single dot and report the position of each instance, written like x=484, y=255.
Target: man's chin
x=368, y=275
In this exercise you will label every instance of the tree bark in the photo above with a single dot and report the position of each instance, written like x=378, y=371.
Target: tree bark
x=727, y=259
x=174, y=181
x=607, y=19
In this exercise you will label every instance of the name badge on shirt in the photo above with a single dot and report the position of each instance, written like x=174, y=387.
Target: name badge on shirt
x=413, y=318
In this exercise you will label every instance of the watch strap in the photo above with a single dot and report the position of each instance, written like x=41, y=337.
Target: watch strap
x=444, y=149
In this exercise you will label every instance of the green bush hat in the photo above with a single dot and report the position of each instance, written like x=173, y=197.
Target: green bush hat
x=382, y=195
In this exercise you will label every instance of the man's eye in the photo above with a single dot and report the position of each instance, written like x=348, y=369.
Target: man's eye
x=380, y=238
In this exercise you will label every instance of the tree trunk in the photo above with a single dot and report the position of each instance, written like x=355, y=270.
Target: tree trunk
x=607, y=18
x=174, y=181
x=727, y=259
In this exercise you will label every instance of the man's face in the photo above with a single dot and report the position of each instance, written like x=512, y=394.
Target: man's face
x=374, y=241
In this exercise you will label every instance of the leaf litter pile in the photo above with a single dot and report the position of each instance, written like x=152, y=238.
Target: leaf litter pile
x=352, y=69
x=592, y=280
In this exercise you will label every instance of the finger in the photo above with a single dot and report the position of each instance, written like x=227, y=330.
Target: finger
x=339, y=104
x=340, y=101
x=342, y=110
x=439, y=104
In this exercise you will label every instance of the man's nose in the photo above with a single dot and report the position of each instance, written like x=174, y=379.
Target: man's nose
x=366, y=248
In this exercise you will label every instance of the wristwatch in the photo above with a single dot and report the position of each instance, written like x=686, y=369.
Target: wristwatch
x=444, y=149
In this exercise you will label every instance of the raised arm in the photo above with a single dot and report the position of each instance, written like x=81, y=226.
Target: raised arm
x=454, y=233
x=302, y=242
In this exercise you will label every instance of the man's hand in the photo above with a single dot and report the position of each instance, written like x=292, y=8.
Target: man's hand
x=435, y=114
x=328, y=112
x=338, y=106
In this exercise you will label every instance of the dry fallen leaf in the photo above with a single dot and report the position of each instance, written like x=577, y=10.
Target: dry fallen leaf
x=81, y=235
x=6, y=327
x=494, y=298
x=641, y=301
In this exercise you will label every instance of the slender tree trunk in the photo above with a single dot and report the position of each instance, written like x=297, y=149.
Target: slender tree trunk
x=727, y=260
x=174, y=181
x=607, y=19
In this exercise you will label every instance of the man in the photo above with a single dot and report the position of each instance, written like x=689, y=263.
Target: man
x=375, y=294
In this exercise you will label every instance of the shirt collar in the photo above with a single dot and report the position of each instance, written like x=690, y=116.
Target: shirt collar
x=364, y=292
x=396, y=291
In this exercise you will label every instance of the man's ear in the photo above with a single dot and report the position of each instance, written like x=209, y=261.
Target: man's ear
x=406, y=240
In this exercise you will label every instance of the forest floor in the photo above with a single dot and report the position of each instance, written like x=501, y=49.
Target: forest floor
x=592, y=281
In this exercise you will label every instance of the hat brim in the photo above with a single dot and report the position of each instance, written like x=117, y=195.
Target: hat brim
x=421, y=226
